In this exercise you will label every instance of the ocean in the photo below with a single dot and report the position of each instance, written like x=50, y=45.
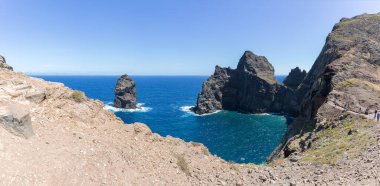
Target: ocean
x=165, y=101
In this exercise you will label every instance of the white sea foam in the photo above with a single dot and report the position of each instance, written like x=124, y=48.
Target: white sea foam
x=209, y=113
x=188, y=110
x=263, y=114
x=139, y=108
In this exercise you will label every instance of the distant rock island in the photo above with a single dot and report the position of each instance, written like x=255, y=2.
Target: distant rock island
x=250, y=88
x=125, y=93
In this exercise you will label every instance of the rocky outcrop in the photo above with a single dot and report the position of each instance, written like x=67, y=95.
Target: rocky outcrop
x=239, y=89
x=16, y=119
x=251, y=88
x=3, y=64
x=344, y=80
x=294, y=78
x=125, y=93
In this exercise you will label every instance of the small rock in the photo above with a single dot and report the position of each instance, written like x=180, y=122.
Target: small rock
x=349, y=132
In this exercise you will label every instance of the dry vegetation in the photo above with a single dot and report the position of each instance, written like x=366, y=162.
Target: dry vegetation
x=182, y=164
x=332, y=144
x=357, y=82
x=78, y=96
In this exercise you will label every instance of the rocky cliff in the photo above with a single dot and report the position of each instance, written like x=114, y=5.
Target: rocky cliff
x=343, y=82
x=125, y=93
x=250, y=88
x=331, y=98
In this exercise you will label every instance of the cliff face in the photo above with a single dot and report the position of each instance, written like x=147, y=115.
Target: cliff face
x=250, y=88
x=344, y=80
x=125, y=93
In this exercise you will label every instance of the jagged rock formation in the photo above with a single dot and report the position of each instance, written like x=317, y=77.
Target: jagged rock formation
x=3, y=64
x=125, y=93
x=294, y=78
x=239, y=89
x=344, y=80
x=251, y=88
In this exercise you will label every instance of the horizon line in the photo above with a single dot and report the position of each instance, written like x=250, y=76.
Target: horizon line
x=58, y=74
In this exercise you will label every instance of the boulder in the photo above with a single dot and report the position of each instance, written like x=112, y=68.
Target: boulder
x=125, y=93
x=15, y=118
x=3, y=64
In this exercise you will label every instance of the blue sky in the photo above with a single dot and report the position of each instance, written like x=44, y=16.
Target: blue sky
x=165, y=37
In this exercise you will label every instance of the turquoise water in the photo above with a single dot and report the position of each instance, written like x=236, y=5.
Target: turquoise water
x=242, y=138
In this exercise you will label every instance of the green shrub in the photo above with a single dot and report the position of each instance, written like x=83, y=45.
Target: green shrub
x=78, y=96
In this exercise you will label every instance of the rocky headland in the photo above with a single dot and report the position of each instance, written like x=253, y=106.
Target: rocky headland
x=125, y=93
x=250, y=88
x=52, y=135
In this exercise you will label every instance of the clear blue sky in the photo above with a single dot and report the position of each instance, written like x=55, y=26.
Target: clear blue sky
x=166, y=37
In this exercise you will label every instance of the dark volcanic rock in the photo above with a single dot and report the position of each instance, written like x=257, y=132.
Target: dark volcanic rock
x=294, y=78
x=3, y=64
x=345, y=76
x=210, y=98
x=251, y=88
x=125, y=93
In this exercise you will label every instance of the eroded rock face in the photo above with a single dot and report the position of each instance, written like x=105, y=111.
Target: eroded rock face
x=345, y=79
x=125, y=93
x=251, y=88
x=15, y=118
x=3, y=64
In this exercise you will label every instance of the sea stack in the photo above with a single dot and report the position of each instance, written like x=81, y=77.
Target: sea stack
x=125, y=93
x=3, y=64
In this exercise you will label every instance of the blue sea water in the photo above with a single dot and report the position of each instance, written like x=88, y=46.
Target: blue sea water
x=242, y=138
